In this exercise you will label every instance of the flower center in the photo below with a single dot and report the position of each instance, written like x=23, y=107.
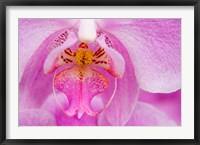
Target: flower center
x=83, y=56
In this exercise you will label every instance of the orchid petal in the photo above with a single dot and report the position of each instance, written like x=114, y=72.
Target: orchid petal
x=55, y=105
x=80, y=85
x=126, y=95
x=62, y=52
x=36, y=117
x=169, y=103
x=32, y=32
x=145, y=114
x=155, y=49
x=34, y=81
x=109, y=58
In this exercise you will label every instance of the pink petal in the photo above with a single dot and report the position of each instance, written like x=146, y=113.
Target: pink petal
x=115, y=63
x=52, y=105
x=32, y=33
x=154, y=46
x=80, y=85
x=170, y=104
x=35, y=86
x=126, y=95
x=36, y=117
x=147, y=115
x=63, y=52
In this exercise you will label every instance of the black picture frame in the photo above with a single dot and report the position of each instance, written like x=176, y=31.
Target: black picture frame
x=5, y=3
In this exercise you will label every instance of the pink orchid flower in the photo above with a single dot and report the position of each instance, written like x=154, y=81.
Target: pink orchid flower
x=99, y=72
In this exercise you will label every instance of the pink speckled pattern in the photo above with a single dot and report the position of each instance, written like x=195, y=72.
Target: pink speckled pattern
x=64, y=39
x=117, y=63
x=80, y=91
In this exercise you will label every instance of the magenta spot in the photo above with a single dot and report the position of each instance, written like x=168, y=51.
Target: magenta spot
x=59, y=40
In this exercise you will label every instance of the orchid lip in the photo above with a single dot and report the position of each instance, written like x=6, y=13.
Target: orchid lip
x=80, y=110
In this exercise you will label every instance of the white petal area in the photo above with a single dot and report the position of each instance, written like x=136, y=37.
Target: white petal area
x=87, y=30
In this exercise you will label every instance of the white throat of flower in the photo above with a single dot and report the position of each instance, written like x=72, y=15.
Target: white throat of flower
x=87, y=30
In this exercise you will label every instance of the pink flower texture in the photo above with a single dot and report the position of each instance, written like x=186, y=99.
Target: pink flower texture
x=99, y=72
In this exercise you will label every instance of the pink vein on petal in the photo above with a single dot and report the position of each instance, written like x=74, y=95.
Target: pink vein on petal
x=155, y=49
x=62, y=119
